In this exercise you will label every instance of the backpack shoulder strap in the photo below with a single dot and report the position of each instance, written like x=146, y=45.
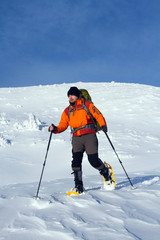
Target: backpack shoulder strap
x=68, y=111
x=85, y=105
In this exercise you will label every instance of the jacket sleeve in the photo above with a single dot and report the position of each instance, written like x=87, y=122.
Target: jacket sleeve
x=63, y=124
x=97, y=115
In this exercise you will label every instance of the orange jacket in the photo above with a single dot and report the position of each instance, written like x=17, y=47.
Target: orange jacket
x=79, y=118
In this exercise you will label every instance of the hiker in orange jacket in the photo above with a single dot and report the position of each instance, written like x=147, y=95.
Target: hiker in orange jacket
x=80, y=115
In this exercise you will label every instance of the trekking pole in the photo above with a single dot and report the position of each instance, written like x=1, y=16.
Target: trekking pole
x=36, y=197
x=119, y=160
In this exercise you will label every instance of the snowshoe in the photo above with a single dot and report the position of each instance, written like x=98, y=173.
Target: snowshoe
x=76, y=191
x=72, y=193
x=109, y=181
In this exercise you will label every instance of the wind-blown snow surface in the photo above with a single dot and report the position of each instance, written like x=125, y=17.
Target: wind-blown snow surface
x=133, y=116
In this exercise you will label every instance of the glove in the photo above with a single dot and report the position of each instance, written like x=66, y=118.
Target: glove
x=104, y=129
x=52, y=128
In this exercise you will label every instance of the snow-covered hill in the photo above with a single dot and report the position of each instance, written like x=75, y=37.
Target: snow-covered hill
x=133, y=117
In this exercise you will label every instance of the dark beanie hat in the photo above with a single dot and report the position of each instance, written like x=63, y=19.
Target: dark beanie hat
x=74, y=91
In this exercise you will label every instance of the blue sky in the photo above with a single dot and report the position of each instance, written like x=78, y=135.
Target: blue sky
x=57, y=41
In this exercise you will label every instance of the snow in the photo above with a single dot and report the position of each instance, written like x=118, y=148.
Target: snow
x=133, y=117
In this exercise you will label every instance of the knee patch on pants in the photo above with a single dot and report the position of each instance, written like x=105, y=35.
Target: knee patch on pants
x=77, y=161
x=95, y=161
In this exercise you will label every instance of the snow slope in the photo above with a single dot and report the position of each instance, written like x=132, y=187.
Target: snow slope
x=133, y=117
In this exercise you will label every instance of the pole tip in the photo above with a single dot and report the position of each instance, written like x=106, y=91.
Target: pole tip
x=36, y=197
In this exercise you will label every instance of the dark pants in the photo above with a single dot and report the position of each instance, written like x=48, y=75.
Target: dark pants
x=86, y=143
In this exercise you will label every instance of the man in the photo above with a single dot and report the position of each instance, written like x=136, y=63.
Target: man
x=84, y=137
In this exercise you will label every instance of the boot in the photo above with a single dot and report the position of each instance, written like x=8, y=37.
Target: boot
x=78, y=182
x=106, y=174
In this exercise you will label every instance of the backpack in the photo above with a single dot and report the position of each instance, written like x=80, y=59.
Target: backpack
x=85, y=94
x=86, y=97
